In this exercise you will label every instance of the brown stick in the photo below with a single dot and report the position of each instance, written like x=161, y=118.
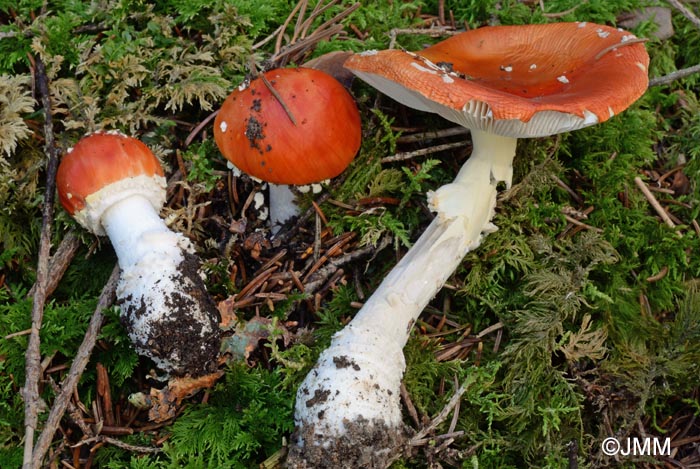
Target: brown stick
x=439, y=418
x=333, y=22
x=278, y=98
x=673, y=76
x=76, y=370
x=106, y=394
x=574, y=221
x=433, y=134
x=658, y=276
x=118, y=444
x=60, y=261
x=654, y=203
x=33, y=354
x=423, y=151
x=406, y=398
x=690, y=16
x=297, y=7
x=562, y=13
x=322, y=274
x=432, y=32
x=303, y=24
x=198, y=128
x=616, y=46
x=300, y=19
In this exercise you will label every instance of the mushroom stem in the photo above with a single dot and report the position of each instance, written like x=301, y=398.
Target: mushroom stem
x=353, y=391
x=133, y=226
x=496, y=150
x=282, y=205
x=160, y=291
x=474, y=188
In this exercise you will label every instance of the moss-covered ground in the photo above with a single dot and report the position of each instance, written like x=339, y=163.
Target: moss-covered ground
x=578, y=320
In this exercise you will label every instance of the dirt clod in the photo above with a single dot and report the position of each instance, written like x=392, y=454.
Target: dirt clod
x=344, y=362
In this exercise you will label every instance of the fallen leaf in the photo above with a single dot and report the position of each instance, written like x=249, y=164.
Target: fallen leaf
x=248, y=335
x=165, y=402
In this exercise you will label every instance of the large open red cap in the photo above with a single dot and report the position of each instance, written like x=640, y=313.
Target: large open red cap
x=518, y=81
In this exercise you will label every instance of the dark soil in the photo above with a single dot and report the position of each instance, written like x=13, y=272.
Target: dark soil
x=180, y=337
x=365, y=444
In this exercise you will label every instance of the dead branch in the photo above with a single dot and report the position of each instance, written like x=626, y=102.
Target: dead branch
x=120, y=444
x=78, y=366
x=433, y=134
x=300, y=41
x=653, y=202
x=433, y=31
x=439, y=418
x=424, y=151
x=59, y=262
x=673, y=76
x=689, y=15
x=321, y=275
x=33, y=354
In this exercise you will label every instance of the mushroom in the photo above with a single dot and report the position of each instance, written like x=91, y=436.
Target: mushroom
x=502, y=83
x=112, y=184
x=292, y=126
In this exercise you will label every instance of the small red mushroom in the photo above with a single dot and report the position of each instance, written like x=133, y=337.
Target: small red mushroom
x=305, y=132
x=112, y=184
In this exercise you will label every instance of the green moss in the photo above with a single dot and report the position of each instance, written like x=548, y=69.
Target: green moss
x=586, y=340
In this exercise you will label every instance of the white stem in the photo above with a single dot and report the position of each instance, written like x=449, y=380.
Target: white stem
x=355, y=384
x=282, y=205
x=495, y=150
x=130, y=223
x=164, y=305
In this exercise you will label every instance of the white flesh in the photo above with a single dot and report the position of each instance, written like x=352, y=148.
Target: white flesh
x=282, y=205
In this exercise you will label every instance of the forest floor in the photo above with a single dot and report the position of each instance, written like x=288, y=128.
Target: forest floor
x=577, y=321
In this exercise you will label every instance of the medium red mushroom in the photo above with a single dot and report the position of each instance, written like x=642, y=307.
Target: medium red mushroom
x=112, y=184
x=295, y=126
x=503, y=83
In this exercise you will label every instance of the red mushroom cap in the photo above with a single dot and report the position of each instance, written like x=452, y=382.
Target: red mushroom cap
x=586, y=71
x=254, y=131
x=99, y=160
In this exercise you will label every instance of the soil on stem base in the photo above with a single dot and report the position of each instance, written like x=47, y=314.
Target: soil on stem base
x=191, y=342
x=364, y=445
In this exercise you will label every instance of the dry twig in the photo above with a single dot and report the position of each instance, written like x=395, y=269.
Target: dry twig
x=654, y=203
x=79, y=362
x=59, y=262
x=320, y=276
x=434, y=31
x=677, y=75
x=561, y=13
x=574, y=221
x=423, y=151
x=301, y=42
x=690, y=16
x=432, y=134
x=119, y=444
x=408, y=402
x=33, y=354
x=452, y=404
